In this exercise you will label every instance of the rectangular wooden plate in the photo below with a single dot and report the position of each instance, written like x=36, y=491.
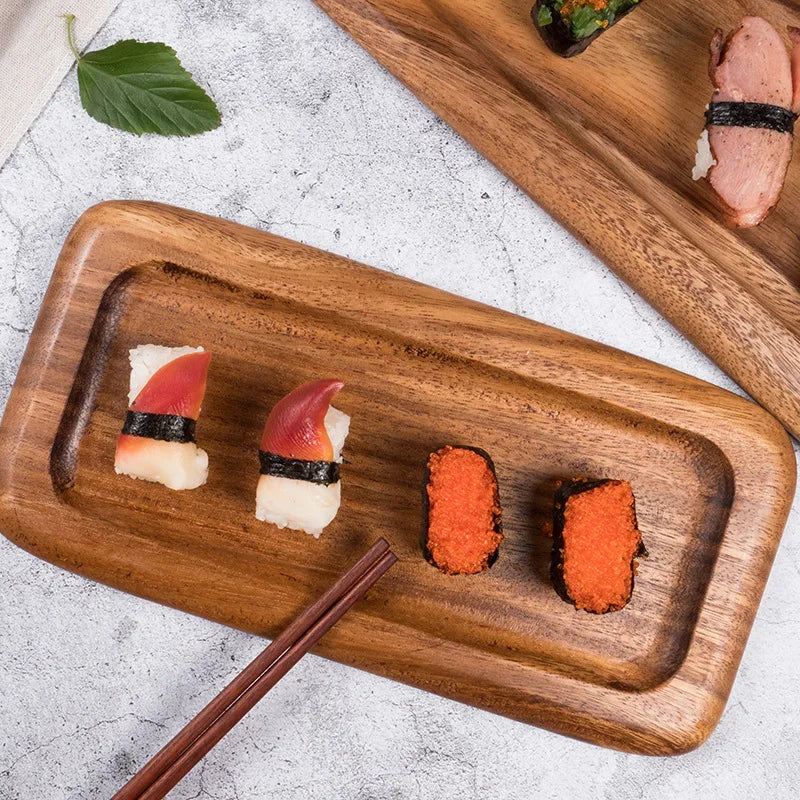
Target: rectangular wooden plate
x=713, y=473
x=605, y=143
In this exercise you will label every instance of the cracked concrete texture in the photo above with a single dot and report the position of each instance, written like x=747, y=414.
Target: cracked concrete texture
x=321, y=145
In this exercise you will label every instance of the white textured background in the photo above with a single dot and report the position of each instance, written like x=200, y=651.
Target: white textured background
x=321, y=145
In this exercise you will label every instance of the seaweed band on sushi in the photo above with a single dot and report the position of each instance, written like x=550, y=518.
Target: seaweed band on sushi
x=596, y=542
x=157, y=443
x=464, y=527
x=301, y=450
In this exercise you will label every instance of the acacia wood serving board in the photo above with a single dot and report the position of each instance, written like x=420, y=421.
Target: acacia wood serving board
x=605, y=143
x=713, y=473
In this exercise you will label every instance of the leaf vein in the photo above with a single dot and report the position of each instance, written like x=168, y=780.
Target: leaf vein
x=156, y=94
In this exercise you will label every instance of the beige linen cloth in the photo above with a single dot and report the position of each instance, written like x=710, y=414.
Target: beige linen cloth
x=34, y=57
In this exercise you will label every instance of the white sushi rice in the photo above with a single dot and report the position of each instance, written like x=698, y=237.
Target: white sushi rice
x=703, y=160
x=302, y=505
x=177, y=465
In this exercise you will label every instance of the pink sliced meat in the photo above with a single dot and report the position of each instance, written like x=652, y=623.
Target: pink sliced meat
x=751, y=65
x=794, y=35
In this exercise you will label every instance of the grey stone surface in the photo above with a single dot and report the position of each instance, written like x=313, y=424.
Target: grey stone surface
x=322, y=145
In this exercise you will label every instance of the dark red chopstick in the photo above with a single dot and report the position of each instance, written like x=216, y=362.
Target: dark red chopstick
x=189, y=746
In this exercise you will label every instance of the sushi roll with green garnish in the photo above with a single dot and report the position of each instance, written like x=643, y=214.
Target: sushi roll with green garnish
x=568, y=27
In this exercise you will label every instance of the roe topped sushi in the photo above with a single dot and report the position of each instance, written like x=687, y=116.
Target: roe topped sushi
x=464, y=529
x=596, y=540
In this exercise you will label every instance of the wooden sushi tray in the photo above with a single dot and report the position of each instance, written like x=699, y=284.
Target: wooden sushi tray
x=713, y=473
x=605, y=143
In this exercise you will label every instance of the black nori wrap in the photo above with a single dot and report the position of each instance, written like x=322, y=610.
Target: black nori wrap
x=498, y=520
x=163, y=427
x=751, y=115
x=557, y=36
x=564, y=492
x=321, y=472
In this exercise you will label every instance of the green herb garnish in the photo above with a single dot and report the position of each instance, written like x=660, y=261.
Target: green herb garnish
x=583, y=19
x=141, y=87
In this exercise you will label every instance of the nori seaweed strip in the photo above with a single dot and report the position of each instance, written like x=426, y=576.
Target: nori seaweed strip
x=751, y=115
x=498, y=520
x=163, y=427
x=565, y=491
x=558, y=37
x=322, y=472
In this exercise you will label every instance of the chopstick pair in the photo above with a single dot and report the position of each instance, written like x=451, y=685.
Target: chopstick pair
x=199, y=736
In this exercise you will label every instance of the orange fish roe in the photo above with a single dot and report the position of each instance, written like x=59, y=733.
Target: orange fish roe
x=570, y=5
x=597, y=540
x=464, y=528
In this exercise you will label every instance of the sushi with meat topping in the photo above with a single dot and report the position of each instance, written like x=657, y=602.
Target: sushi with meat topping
x=157, y=443
x=464, y=520
x=301, y=450
x=568, y=27
x=746, y=146
x=596, y=542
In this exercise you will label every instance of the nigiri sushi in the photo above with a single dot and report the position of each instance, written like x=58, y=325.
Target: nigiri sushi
x=746, y=146
x=301, y=450
x=157, y=443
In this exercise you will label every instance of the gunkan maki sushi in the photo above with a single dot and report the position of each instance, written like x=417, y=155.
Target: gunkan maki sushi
x=596, y=542
x=568, y=27
x=463, y=528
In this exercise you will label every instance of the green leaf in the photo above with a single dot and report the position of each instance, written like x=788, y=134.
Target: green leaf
x=545, y=16
x=141, y=87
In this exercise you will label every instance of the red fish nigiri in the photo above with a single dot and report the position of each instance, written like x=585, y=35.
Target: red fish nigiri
x=301, y=449
x=749, y=147
x=296, y=425
x=157, y=442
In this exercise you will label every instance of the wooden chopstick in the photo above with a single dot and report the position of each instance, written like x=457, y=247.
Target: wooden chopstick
x=184, y=751
x=212, y=735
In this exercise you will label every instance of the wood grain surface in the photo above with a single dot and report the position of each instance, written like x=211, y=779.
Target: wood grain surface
x=605, y=143
x=713, y=473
